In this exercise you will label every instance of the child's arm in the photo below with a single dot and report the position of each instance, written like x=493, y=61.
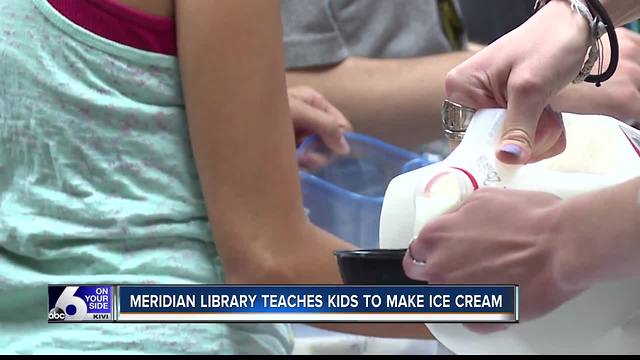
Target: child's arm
x=243, y=142
x=233, y=77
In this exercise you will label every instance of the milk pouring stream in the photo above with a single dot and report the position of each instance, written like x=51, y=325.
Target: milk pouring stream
x=600, y=152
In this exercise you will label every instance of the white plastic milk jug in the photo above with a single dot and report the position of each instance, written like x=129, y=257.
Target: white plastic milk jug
x=600, y=152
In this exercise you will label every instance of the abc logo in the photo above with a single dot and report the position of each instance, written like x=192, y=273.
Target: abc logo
x=57, y=314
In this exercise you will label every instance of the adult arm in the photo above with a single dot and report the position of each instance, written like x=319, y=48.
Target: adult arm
x=396, y=100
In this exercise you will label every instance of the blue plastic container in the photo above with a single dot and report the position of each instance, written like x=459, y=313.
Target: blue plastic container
x=343, y=194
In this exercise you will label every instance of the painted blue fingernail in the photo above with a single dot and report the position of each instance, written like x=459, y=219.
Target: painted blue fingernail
x=511, y=149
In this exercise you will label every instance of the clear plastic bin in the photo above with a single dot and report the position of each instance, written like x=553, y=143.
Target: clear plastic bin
x=343, y=194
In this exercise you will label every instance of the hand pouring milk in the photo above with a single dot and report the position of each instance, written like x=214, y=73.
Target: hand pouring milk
x=600, y=152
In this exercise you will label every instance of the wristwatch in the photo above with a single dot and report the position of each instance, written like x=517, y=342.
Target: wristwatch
x=456, y=119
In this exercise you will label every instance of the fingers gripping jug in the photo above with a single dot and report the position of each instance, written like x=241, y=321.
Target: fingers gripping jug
x=600, y=152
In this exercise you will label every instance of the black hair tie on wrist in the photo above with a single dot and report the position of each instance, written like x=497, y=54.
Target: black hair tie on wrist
x=598, y=10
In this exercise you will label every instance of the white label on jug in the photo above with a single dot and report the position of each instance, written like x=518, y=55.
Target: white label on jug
x=491, y=176
x=634, y=139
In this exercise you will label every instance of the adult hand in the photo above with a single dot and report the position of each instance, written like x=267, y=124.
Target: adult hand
x=521, y=72
x=618, y=97
x=498, y=236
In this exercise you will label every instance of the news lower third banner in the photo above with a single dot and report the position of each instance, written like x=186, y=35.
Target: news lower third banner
x=288, y=304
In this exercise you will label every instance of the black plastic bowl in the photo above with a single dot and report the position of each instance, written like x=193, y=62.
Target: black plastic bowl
x=373, y=267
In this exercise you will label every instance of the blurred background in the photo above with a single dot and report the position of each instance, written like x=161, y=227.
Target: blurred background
x=487, y=20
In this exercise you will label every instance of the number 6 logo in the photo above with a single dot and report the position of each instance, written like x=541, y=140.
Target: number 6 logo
x=68, y=298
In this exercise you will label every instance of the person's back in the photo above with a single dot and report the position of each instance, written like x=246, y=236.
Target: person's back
x=353, y=50
x=98, y=185
x=326, y=32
